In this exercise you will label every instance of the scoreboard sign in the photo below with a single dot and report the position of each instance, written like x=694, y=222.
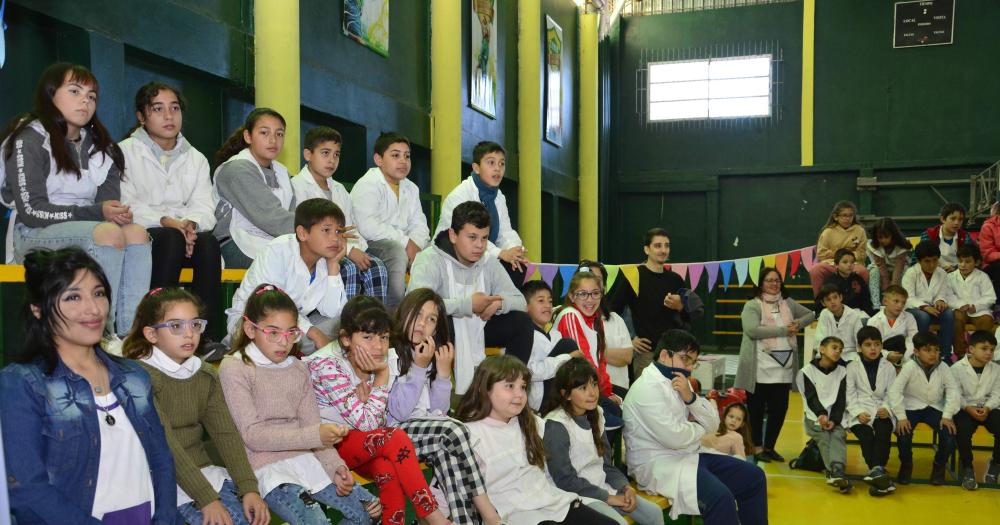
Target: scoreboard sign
x=923, y=23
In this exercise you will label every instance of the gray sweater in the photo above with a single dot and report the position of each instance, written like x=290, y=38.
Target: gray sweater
x=557, y=460
x=746, y=373
x=25, y=184
x=430, y=270
x=240, y=186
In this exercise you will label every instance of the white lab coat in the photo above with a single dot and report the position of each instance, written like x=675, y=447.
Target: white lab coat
x=280, y=263
x=861, y=397
x=662, y=446
x=977, y=390
x=467, y=191
x=305, y=188
x=381, y=216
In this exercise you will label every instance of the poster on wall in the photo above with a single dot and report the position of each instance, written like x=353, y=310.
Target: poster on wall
x=483, y=67
x=553, y=81
x=367, y=23
x=3, y=27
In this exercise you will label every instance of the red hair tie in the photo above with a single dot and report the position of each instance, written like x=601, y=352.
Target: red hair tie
x=155, y=291
x=268, y=288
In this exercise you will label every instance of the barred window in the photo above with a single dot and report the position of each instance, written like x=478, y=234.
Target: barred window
x=715, y=88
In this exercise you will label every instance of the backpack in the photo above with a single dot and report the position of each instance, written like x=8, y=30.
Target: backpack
x=809, y=458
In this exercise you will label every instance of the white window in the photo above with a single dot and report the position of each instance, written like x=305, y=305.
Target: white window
x=708, y=89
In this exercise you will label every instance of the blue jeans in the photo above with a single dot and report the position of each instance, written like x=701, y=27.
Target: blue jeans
x=287, y=502
x=932, y=417
x=192, y=515
x=946, y=331
x=128, y=271
x=731, y=491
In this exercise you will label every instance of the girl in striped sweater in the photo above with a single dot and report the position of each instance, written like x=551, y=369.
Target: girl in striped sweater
x=352, y=390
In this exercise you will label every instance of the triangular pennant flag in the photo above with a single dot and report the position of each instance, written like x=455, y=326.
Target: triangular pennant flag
x=694, y=272
x=548, y=272
x=741, y=271
x=807, y=257
x=769, y=261
x=529, y=272
x=726, y=267
x=796, y=257
x=612, y=275
x=753, y=268
x=711, y=273
x=680, y=269
x=631, y=273
x=566, y=271
x=781, y=263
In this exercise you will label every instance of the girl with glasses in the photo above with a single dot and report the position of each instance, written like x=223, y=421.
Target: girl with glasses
x=190, y=403
x=270, y=397
x=842, y=230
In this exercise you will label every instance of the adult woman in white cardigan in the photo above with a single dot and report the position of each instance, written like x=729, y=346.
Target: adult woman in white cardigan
x=768, y=358
x=664, y=423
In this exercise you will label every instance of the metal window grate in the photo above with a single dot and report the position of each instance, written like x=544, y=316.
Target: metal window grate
x=657, y=7
x=731, y=50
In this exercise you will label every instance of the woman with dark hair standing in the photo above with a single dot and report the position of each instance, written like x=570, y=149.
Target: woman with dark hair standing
x=768, y=359
x=61, y=174
x=82, y=440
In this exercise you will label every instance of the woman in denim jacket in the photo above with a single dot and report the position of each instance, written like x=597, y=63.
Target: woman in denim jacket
x=82, y=440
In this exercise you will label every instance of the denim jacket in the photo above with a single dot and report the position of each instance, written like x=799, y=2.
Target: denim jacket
x=52, y=442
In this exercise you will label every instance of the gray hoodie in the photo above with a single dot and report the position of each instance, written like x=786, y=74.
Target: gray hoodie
x=429, y=270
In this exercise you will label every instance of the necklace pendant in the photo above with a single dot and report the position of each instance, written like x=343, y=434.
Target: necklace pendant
x=109, y=419
x=98, y=390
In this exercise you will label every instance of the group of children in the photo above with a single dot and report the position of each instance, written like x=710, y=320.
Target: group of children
x=867, y=397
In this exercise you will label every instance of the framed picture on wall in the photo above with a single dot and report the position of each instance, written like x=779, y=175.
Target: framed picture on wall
x=367, y=23
x=483, y=58
x=553, y=81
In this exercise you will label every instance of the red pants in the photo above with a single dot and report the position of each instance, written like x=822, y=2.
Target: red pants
x=386, y=455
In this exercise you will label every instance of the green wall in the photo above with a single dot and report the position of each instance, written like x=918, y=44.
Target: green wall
x=737, y=189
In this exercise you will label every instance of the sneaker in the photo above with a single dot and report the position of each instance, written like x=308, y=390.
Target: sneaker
x=992, y=471
x=762, y=457
x=905, y=473
x=838, y=479
x=937, y=474
x=882, y=492
x=878, y=478
x=969, y=479
x=771, y=455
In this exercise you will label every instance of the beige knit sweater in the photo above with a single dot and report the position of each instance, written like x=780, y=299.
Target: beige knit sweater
x=275, y=411
x=834, y=238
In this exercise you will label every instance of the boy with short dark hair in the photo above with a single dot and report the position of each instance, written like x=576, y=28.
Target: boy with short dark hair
x=306, y=265
x=929, y=294
x=362, y=273
x=853, y=288
x=972, y=296
x=925, y=391
x=824, y=394
x=489, y=163
x=547, y=354
x=484, y=305
x=896, y=325
x=869, y=415
x=838, y=319
x=390, y=217
x=978, y=378
x=947, y=236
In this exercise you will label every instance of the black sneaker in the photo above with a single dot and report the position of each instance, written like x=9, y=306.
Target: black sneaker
x=937, y=474
x=213, y=352
x=838, y=479
x=992, y=471
x=771, y=455
x=882, y=492
x=969, y=479
x=878, y=478
x=905, y=473
x=762, y=457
